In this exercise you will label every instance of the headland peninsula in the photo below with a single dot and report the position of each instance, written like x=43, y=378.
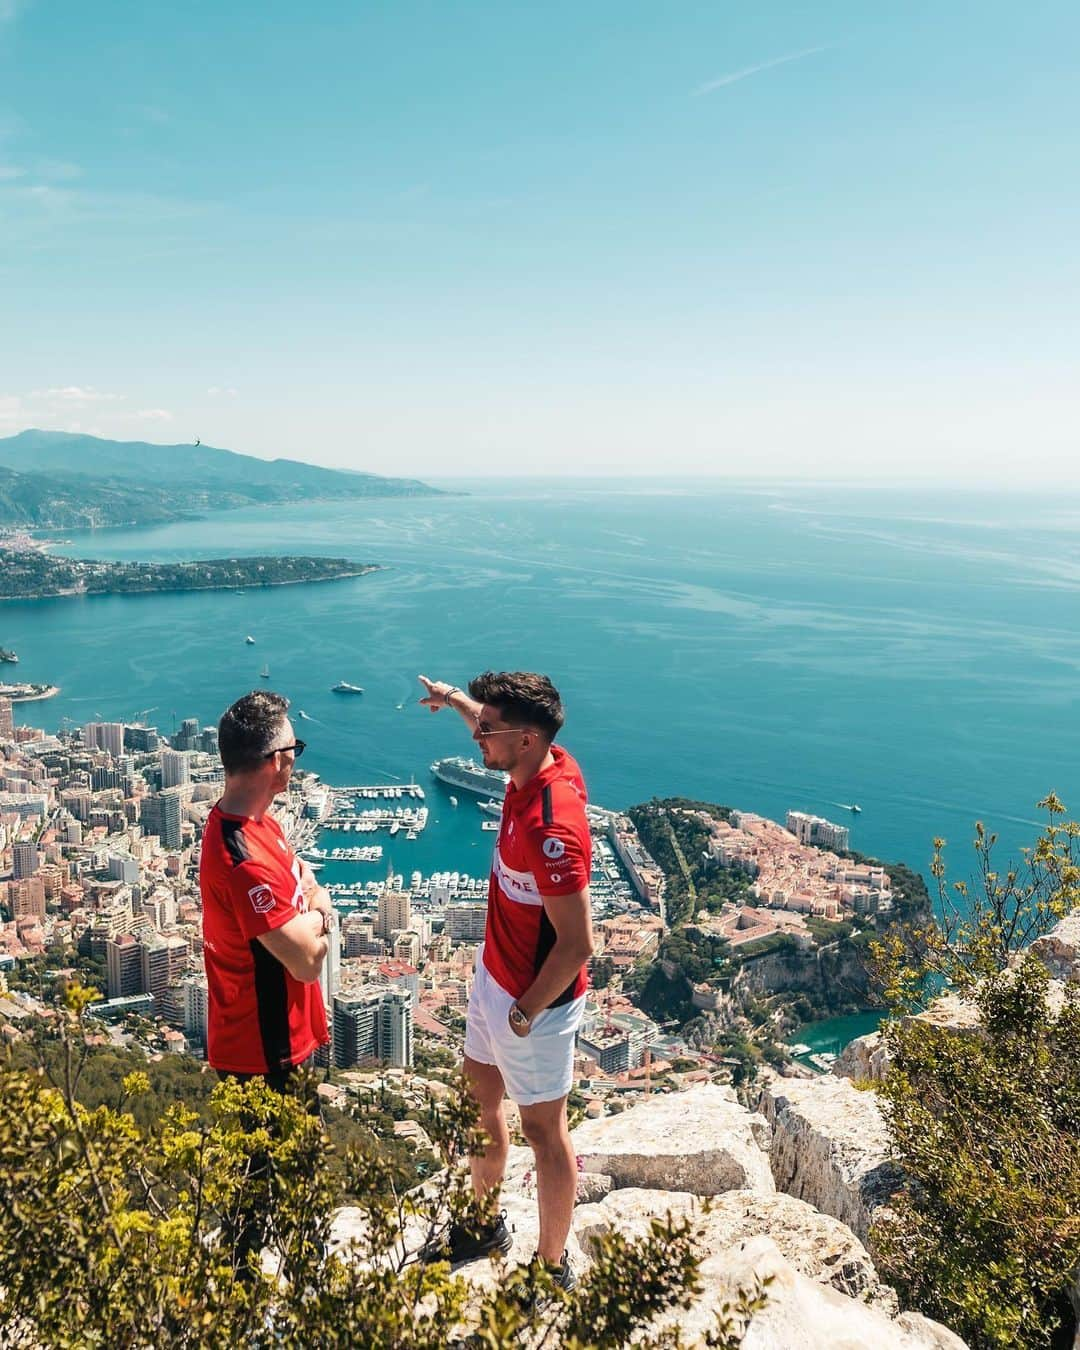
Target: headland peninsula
x=55, y=480
x=32, y=575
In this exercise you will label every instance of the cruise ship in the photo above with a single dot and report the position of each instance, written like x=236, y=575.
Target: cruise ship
x=472, y=777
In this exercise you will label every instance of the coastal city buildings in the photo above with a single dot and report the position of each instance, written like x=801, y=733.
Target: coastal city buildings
x=100, y=830
x=793, y=875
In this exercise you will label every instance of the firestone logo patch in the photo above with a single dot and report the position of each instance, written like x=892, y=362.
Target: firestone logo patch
x=262, y=899
x=554, y=848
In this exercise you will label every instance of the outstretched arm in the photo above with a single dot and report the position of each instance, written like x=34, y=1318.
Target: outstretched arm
x=442, y=695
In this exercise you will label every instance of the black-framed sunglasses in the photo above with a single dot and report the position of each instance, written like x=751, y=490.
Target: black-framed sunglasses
x=298, y=748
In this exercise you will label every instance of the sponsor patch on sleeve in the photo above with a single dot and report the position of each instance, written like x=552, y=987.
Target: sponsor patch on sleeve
x=262, y=898
x=553, y=848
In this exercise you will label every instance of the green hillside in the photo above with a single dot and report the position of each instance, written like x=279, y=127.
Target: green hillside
x=58, y=480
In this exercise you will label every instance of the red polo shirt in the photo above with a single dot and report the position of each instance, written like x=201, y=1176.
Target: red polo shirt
x=260, y=1018
x=543, y=851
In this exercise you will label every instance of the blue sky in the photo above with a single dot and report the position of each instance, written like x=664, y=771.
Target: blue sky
x=774, y=239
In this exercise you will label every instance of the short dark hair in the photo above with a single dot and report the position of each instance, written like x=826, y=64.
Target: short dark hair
x=248, y=729
x=522, y=698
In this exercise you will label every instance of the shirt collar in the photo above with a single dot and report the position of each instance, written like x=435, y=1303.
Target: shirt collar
x=519, y=798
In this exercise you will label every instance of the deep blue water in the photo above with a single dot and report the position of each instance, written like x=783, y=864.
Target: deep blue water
x=768, y=648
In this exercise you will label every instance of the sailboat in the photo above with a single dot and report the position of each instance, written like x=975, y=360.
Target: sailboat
x=264, y=674
x=250, y=640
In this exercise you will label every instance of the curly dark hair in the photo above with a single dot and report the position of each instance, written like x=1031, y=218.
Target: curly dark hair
x=522, y=698
x=249, y=728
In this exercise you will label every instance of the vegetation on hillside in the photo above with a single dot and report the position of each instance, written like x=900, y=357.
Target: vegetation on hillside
x=832, y=979
x=678, y=843
x=33, y=574
x=59, y=480
x=985, y=1235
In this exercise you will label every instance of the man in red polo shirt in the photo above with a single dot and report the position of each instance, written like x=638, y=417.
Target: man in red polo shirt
x=265, y=918
x=528, y=994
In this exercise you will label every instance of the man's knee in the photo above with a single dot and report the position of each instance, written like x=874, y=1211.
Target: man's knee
x=486, y=1087
x=544, y=1126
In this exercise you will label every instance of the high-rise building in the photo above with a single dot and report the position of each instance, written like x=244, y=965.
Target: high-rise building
x=396, y=1028
x=817, y=831
x=27, y=897
x=175, y=768
x=195, y=1008
x=395, y=911
x=107, y=736
x=360, y=939
x=373, y=1024
x=123, y=867
x=156, y=969
x=123, y=956
x=160, y=909
x=24, y=858
x=7, y=726
x=356, y=1027
x=208, y=740
x=78, y=801
x=142, y=739
x=163, y=814
x=466, y=923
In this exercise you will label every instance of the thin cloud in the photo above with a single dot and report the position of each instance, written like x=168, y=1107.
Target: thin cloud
x=77, y=393
x=734, y=76
x=153, y=415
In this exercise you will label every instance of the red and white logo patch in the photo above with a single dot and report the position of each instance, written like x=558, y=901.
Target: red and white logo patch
x=553, y=848
x=262, y=899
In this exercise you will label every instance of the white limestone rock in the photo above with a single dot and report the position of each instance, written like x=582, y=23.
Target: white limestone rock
x=818, y=1246
x=830, y=1148
x=930, y=1334
x=1059, y=950
x=866, y=1058
x=592, y=1187
x=700, y=1141
x=800, y=1314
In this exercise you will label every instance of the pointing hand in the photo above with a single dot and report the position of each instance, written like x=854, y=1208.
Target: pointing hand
x=437, y=691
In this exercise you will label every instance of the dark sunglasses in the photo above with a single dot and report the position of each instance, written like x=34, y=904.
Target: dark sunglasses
x=297, y=748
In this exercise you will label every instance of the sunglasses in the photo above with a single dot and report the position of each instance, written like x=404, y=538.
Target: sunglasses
x=298, y=748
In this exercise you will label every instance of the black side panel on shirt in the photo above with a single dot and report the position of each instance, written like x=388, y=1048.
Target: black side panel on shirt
x=232, y=836
x=545, y=799
x=545, y=940
x=272, y=998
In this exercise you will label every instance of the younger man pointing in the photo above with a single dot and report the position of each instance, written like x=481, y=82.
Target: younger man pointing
x=529, y=991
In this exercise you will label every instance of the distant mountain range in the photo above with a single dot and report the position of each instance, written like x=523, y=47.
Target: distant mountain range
x=60, y=480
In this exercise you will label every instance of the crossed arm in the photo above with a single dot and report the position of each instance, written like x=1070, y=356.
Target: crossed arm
x=301, y=943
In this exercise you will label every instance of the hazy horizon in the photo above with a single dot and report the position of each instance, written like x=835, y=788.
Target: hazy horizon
x=773, y=244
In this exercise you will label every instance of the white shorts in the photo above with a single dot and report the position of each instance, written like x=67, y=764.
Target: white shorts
x=536, y=1068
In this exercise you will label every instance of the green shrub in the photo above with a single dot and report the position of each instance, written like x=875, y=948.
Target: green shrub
x=112, y=1236
x=985, y=1235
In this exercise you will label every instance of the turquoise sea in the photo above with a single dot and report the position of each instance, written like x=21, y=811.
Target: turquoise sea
x=915, y=652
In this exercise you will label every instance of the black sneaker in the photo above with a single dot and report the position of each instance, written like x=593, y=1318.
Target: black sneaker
x=461, y=1243
x=565, y=1279
x=562, y=1275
